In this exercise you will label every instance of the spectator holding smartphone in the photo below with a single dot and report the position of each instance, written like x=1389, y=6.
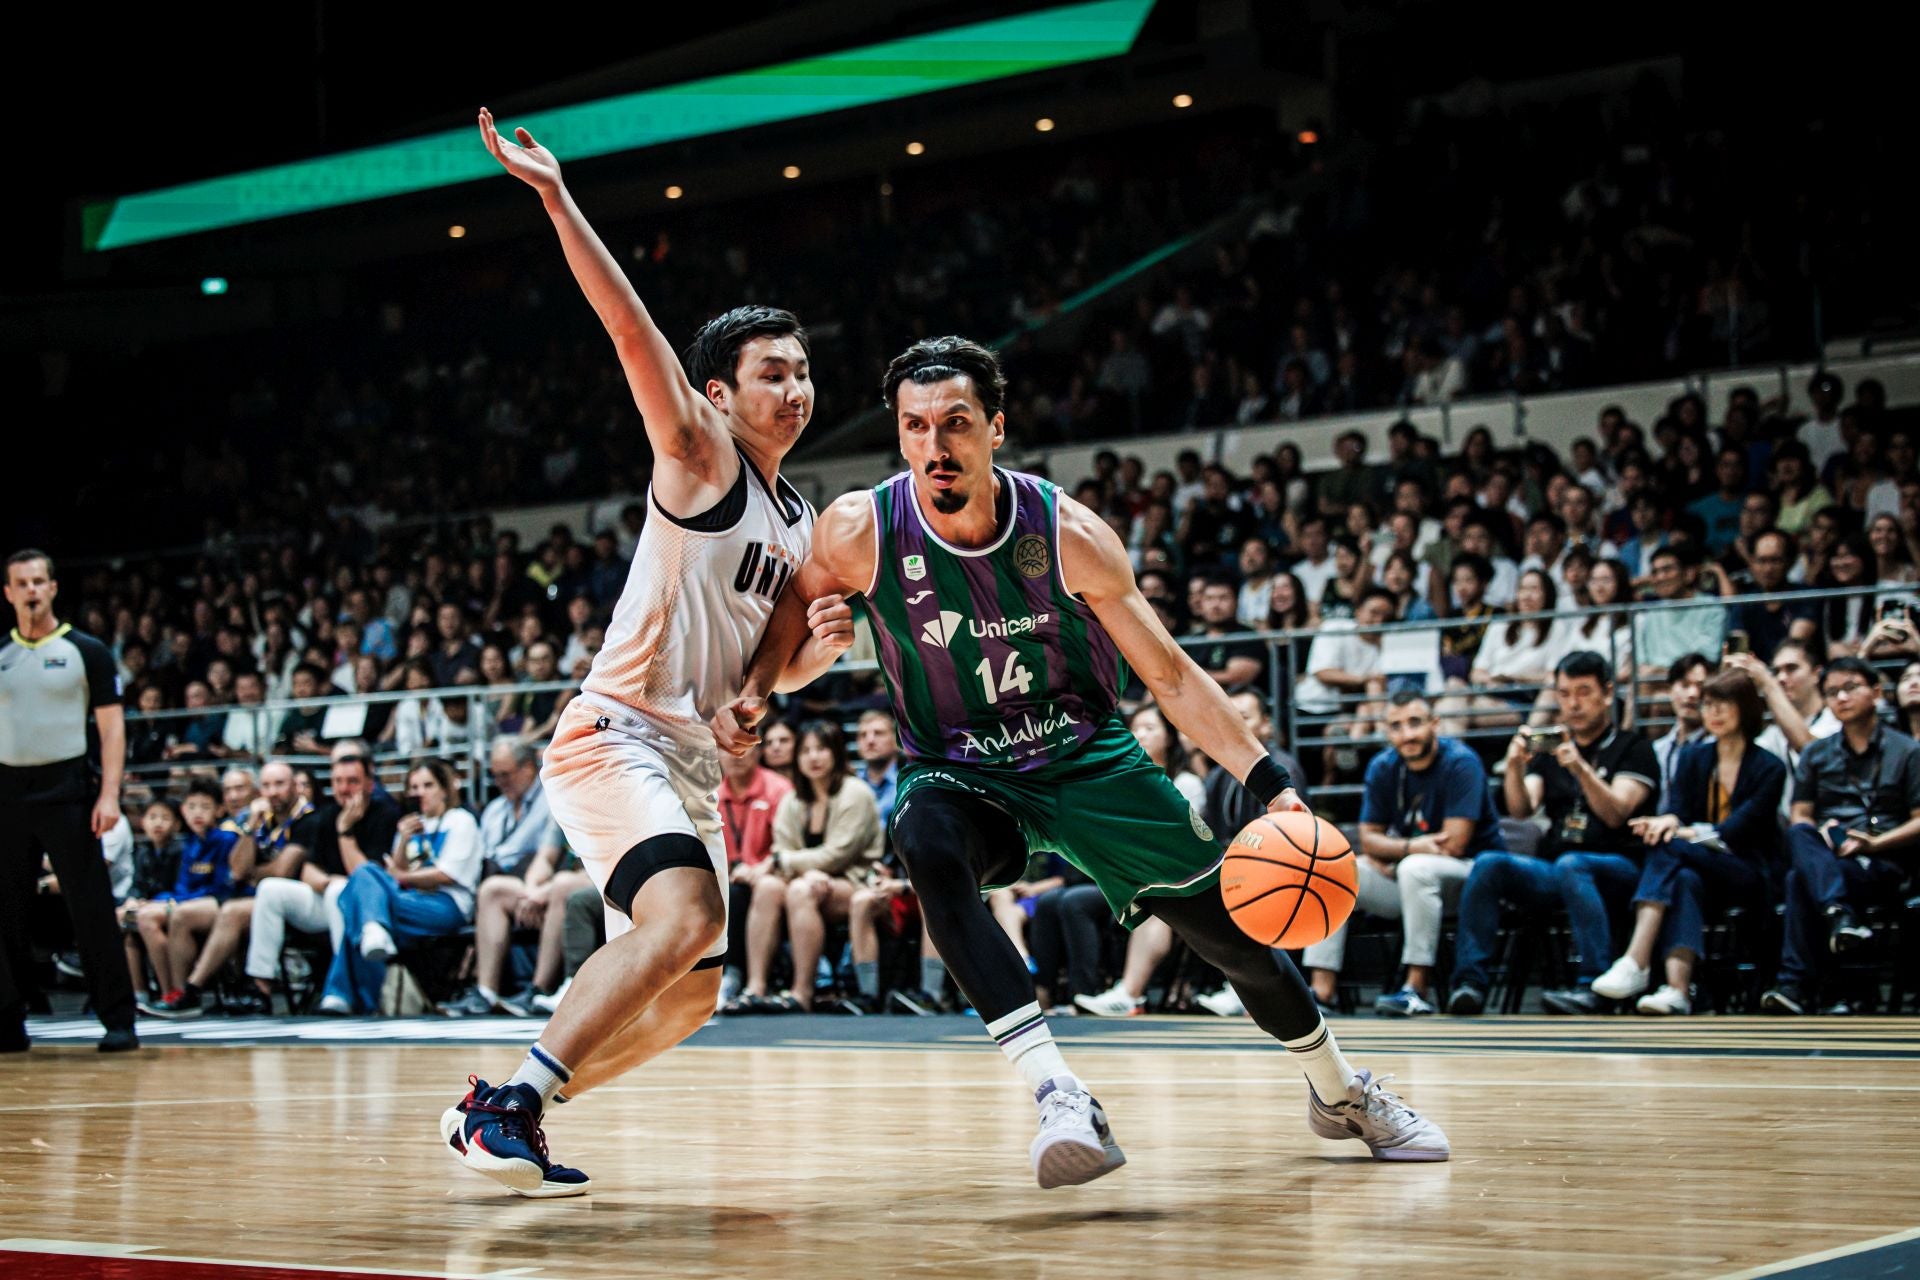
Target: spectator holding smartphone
x=1856, y=825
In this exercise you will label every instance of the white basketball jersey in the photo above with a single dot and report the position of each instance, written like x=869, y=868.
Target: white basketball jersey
x=697, y=600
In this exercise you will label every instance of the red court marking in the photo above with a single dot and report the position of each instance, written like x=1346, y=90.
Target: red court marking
x=109, y=1263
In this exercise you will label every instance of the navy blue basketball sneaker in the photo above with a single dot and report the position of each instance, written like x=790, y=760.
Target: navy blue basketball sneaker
x=496, y=1131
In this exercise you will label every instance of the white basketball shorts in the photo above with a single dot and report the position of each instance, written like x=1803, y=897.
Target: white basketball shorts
x=614, y=782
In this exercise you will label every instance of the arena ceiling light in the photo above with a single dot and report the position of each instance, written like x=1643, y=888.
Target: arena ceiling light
x=973, y=54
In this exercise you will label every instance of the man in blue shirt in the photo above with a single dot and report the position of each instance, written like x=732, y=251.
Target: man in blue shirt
x=879, y=745
x=1720, y=510
x=1426, y=812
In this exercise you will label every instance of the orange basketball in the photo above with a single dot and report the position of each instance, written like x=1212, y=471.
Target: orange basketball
x=1289, y=879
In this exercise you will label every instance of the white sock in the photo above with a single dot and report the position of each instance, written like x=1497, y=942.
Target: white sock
x=1027, y=1040
x=1328, y=1070
x=488, y=994
x=543, y=1072
x=375, y=941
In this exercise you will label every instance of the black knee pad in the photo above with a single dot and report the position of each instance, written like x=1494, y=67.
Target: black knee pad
x=651, y=856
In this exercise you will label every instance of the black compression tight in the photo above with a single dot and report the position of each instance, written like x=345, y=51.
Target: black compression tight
x=953, y=843
x=1266, y=981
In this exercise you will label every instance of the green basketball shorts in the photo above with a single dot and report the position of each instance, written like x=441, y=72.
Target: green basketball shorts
x=1107, y=809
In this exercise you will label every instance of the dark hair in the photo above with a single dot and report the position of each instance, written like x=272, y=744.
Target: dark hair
x=1176, y=754
x=1551, y=520
x=1378, y=593
x=1541, y=628
x=1585, y=662
x=714, y=353
x=1219, y=578
x=1840, y=609
x=443, y=774
x=1296, y=618
x=1737, y=687
x=1401, y=697
x=1678, y=668
x=835, y=741
x=1479, y=566
x=1855, y=666
x=1598, y=614
x=204, y=787
x=319, y=676
x=28, y=555
x=933, y=360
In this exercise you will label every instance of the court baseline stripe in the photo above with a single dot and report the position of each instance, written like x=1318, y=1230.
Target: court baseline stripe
x=1902, y=1249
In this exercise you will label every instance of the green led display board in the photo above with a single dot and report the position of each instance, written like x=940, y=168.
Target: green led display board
x=833, y=82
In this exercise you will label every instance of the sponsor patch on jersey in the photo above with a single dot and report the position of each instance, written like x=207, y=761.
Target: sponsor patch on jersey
x=1031, y=557
x=940, y=631
x=914, y=567
x=51, y=663
x=918, y=596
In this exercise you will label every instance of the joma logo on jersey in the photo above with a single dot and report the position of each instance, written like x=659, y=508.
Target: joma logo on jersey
x=764, y=570
x=940, y=631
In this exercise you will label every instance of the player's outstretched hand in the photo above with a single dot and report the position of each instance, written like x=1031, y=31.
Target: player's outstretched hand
x=733, y=725
x=530, y=162
x=831, y=620
x=1288, y=801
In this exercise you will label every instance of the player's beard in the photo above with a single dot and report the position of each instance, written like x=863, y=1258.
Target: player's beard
x=947, y=501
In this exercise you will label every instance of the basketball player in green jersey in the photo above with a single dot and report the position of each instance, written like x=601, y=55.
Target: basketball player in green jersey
x=1005, y=616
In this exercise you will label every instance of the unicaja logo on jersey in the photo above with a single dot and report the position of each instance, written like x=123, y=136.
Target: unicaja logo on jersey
x=940, y=631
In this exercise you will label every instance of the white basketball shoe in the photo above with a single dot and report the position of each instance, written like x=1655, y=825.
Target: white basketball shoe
x=1391, y=1129
x=1075, y=1144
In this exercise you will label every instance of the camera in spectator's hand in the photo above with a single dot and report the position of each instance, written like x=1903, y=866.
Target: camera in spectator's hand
x=1545, y=740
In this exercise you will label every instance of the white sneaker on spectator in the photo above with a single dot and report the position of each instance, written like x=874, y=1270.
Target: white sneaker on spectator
x=1391, y=1129
x=551, y=1003
x=1115, y=1002
x=1225, y=1002
x=334, y=1005
x=376, y=944
x=1624, y=979
x=1075, y=1144
x=1667, y=1001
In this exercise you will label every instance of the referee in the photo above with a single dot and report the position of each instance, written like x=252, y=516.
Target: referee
x=51, y=678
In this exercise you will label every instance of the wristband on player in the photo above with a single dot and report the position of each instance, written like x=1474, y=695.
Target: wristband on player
x=1267, y=779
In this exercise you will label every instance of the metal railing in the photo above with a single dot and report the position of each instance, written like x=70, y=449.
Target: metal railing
x=1302, y=729
x=1306, y=729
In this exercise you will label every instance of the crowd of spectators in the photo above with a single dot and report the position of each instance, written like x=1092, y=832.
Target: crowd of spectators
x=1518, y=772
x=1592, y=242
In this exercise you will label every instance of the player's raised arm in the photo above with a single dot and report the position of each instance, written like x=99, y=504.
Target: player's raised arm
x=680, y=422
x=812, y=625
x=1095, y=567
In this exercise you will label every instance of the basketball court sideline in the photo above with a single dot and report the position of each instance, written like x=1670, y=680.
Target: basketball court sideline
x=882, y=1146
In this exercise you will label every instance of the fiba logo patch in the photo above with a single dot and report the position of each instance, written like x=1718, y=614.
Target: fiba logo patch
x=915, y=567
x=1031, y=557
x=1200, y=827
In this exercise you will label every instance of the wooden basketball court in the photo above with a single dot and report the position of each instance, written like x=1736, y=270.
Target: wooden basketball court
x=863, y=1148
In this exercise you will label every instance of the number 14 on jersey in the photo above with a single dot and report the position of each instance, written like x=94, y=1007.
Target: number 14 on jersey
x=1014, y=677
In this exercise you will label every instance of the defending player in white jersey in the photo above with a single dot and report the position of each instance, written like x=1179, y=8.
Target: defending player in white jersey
x=632, y=770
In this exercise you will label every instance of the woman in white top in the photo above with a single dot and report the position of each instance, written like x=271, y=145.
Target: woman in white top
x=1158, y=738
x=423, y=890
x=1606, y=623
x=1893, y=549
x=1514, y=665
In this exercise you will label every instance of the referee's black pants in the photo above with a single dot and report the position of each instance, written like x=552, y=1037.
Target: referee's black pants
x=64, y=831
